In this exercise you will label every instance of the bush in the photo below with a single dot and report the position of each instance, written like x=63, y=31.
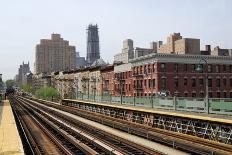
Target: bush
x=47, y=93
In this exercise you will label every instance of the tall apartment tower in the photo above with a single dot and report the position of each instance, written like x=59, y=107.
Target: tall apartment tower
x=93, y=52
x=54, y=54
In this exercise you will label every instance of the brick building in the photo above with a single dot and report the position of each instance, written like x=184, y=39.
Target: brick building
x=177, y=74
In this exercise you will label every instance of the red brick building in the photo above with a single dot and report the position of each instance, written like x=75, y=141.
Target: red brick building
x=177, y=74
x=107, y=74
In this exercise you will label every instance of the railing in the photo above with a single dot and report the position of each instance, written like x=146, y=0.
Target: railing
x=216, y=105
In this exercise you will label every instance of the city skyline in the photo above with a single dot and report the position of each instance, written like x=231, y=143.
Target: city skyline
x=22, y=28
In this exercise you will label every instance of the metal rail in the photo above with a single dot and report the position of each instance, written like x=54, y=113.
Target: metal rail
x=116, y=142
x=43, y=143
x=186, y=142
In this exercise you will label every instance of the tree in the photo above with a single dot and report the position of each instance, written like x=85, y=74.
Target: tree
x=10, y=83
x=47, y=93
x=27, y=88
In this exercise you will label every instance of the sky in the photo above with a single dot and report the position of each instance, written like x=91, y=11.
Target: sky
x=24, y=22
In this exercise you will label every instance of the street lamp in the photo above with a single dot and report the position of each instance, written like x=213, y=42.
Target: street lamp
x=200, y=70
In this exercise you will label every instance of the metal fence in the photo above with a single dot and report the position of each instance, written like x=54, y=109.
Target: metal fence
x=216, y=105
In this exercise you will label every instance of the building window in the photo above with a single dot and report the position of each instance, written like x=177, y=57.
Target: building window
x=230, y=68
x=201, y=81
x=209, y=82
x=225, y=95
x=218, y=83
x=210, y=95
x=218, y=95
x=230, y=94
x=224, y=68
x=145, y=83
x=176, y=68
x=149, y=83
x=153, y=83
x=193, y=94
x=224, y=82
x=185, y=94
x=201, y=94
x=176, y=83
x=193, y=82
x=185, y=67
x=149, y=69
x=145, y=69
x=162, y=67
x=193, y=68
x=185, y=82
x=209, y=68
x=217, y=68
x=163, y=83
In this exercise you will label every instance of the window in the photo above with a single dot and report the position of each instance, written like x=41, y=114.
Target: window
x=209, y=68
x=217, y=68
x=145, y=70
x=176, y=83
x=185, y=67
x=225, y=95
x=218, y=83
x=193, y=82
x=201, y=81
x=162, y=67
x=230, y=68
x=185, y=82
x=163, y=83
x=149, y=69
x=224, y=82
x=209, y=82
x=230, y=82
x=193, y=68
x=149, y=83
x=193, y=94
x=201, y=94
x=176, y=68
x=185, y=94
x=218, y=95
x=224, y=68
x=145, y=83
x=210, y=95
x=230, y=94
x=153, y=83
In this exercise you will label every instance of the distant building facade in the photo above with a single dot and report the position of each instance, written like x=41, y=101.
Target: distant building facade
x=22, y=71
x=127, y=52
x=93, y=50
x=178, y=45
x=221, y=52
x=54, y=54
x=80, y=61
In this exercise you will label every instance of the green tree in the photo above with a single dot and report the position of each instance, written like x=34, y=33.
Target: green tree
x=47, y=93
x=10, y=83
x=27, y=88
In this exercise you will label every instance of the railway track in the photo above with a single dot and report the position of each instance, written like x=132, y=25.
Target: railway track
x=40, y=138
x=100, y=141
x=185, y=142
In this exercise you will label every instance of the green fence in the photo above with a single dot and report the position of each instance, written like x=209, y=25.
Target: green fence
x=216, y=106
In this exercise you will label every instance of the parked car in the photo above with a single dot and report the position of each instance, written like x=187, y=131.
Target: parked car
x=163, y=93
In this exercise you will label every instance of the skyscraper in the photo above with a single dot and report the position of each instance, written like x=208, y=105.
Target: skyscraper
x=93, y=52
x=54, y=54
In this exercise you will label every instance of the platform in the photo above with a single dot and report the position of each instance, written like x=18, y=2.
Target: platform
x=10, y=142
x=191, y=115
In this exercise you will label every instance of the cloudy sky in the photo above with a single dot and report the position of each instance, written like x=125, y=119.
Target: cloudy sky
x=24, y=22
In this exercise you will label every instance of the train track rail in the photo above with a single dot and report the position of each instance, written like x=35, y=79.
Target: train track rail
x=89, y=135
x=42, y=141
x=185, y=142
